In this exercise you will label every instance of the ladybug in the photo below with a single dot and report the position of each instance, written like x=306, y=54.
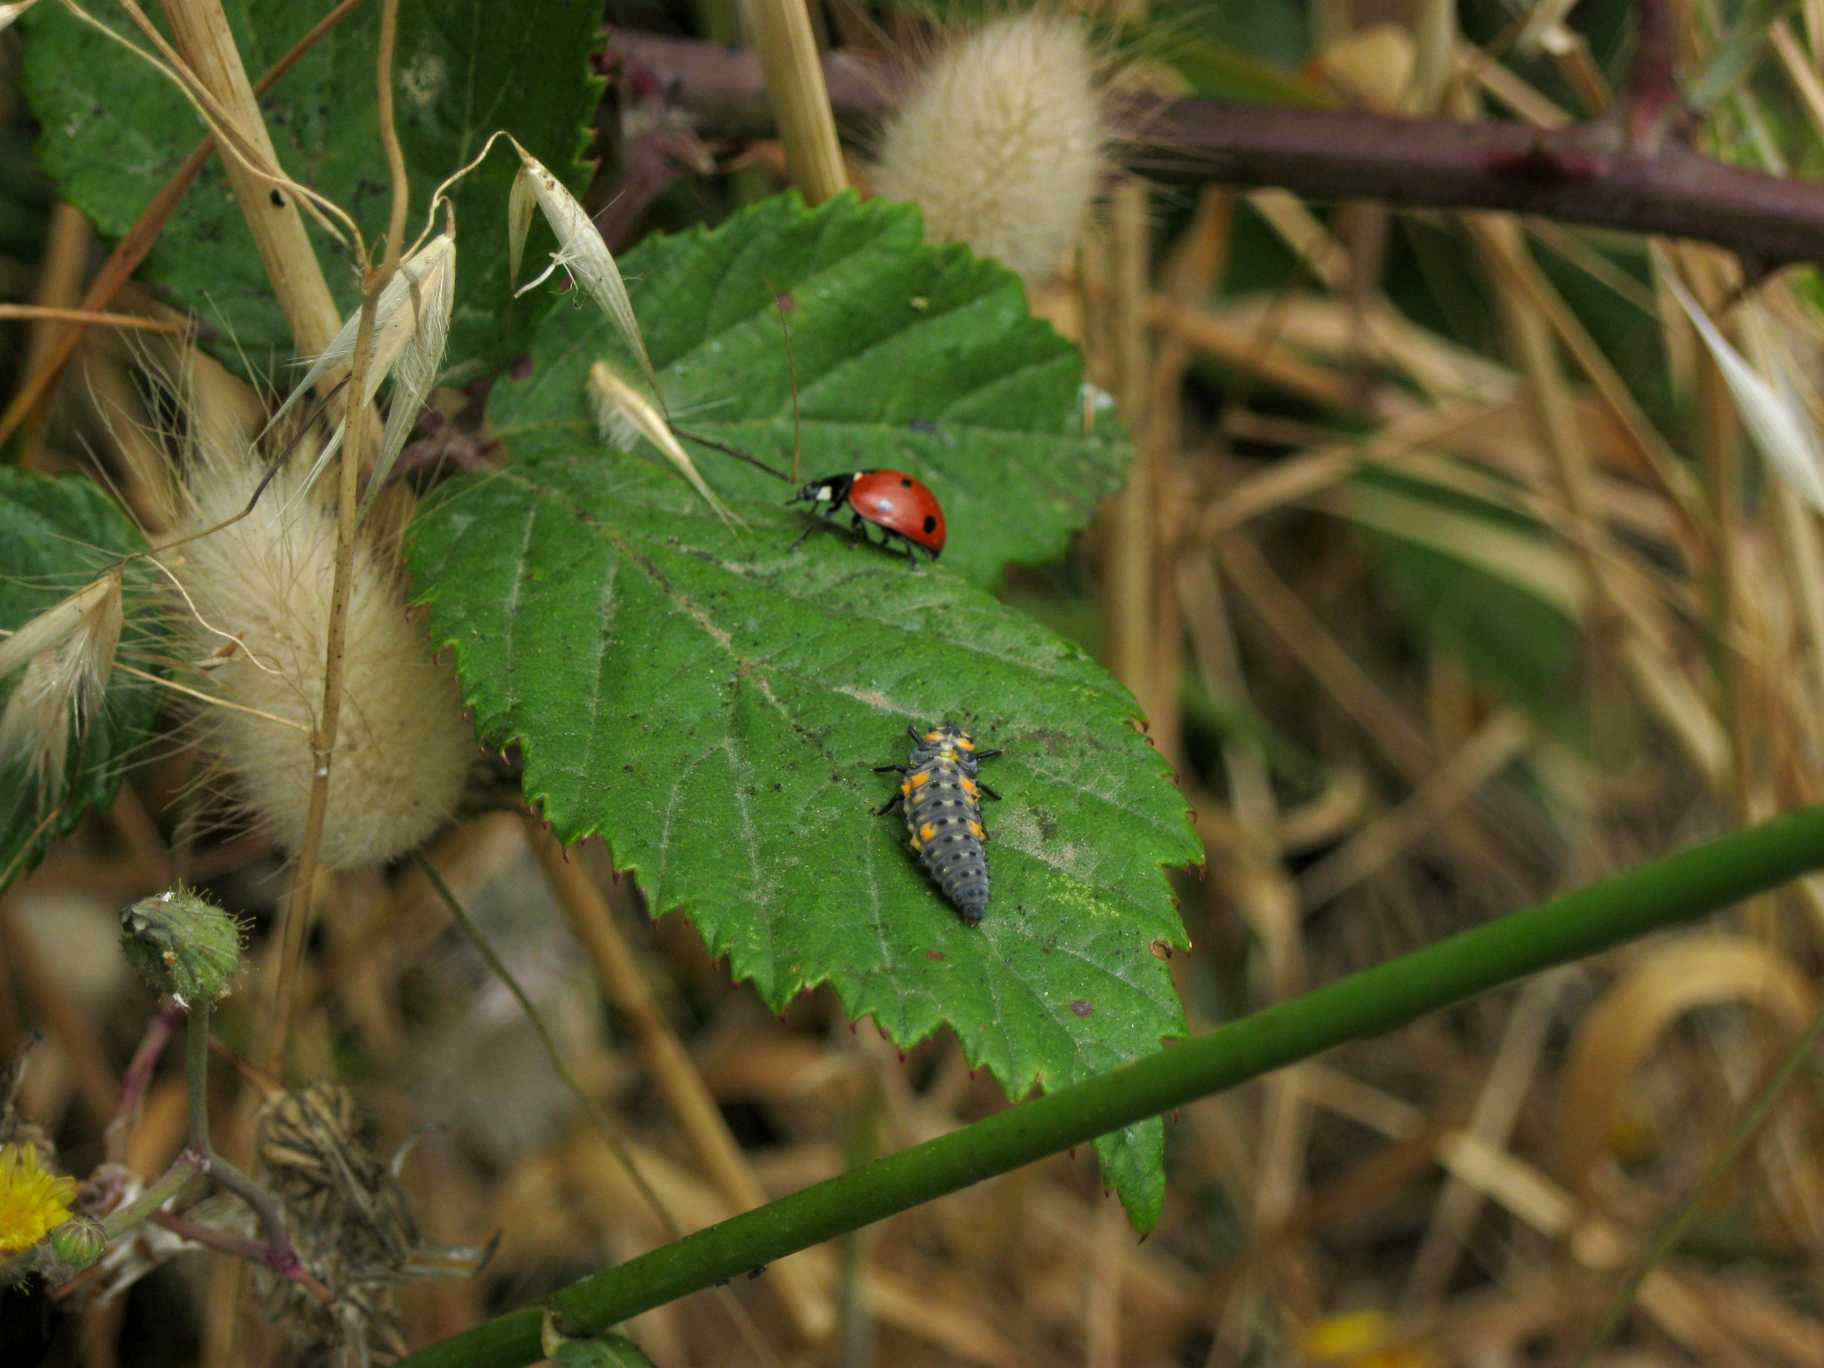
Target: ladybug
x=942, y=802
x=892, y=500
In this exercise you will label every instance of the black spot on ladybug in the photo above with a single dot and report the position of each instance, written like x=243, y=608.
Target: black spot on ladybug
x=1082, y=1009
x=930, y=524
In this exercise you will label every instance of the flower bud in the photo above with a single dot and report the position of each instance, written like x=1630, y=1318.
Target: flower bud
x=78, y=1242
x=182, y=945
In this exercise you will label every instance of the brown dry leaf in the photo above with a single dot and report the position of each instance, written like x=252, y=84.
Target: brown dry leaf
x=1626, y=1025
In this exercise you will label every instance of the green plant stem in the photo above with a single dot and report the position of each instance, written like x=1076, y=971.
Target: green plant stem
x=1650, y=898
x=187, y=1166
x=283, y=1256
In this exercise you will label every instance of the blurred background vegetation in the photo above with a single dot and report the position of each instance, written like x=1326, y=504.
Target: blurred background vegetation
x=1448, y=581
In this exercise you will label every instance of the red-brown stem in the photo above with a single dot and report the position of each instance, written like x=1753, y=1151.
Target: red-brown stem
x=1653, y=74
x=1586, y=173
x=139, y=1073
x=284, y=1262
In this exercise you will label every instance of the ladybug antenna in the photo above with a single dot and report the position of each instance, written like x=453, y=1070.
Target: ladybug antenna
x=781, y=301
x=726, y=450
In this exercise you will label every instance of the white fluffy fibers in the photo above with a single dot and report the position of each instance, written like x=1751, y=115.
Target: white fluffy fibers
x=403, y=746
x=1002, y=141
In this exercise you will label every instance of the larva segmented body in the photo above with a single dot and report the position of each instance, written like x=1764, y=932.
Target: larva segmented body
x=941, y=798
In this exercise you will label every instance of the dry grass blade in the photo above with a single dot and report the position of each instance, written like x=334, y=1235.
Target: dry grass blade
x=1782, y=428
x=580, y=252
x=621, y=410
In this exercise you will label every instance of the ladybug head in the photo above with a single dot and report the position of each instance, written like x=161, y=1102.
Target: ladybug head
x=831, y=489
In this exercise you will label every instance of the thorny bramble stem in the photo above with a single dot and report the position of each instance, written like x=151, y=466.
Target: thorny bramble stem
x=1592, y=173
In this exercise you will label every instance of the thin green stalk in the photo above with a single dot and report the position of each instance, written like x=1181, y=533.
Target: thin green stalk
x=1653, y=897
x=554, y=1053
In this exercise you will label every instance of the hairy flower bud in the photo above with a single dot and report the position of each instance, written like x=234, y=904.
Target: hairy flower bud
x=78, y=1242
x=182, y=945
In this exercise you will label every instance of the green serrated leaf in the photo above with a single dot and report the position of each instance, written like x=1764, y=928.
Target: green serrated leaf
x=115, y=131
x=906, y=356
x=713, y=703
x=55, y=536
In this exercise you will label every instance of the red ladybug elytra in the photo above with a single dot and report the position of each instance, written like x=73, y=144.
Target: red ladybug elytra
x=892, y=500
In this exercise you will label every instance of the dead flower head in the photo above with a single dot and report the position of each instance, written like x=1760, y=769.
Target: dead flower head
x=347, y=1216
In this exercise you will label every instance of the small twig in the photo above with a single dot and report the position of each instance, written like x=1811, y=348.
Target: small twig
x=727, y=450
x=1579, y=174
x=243, y=1247
x=134, y=1081
x=184, y=1169
x=296, y=918
x=105, y=320
x=389, y=137
x=280, y=1255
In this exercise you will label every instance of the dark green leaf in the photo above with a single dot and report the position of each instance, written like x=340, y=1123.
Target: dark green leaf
x=55, y=537
x=919, y=359
x=713, y=703
x=115, y=131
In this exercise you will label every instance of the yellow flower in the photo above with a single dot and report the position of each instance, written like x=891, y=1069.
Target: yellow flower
x=32, y=1201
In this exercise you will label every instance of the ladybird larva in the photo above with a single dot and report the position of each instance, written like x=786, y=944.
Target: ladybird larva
x=941, y=796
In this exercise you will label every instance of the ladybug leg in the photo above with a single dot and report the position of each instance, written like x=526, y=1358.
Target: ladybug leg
x=897, y=769
x=986, y=755
x=912, y=732
x=810, y=525
x=987, y=792
x=889, y=805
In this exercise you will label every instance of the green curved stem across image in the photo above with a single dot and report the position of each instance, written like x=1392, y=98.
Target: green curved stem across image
x=1653, y=897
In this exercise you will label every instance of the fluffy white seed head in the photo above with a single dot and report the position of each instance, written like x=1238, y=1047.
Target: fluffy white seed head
x=1002, y=141
x=255, y=601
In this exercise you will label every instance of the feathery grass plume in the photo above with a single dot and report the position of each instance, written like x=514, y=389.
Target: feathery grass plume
x=67, y=652
x=9, y=13
x=1002, y=139
x=580, y=250
x=261, y=587
x=623, y=414
x=1773, y=413
x=411, y=329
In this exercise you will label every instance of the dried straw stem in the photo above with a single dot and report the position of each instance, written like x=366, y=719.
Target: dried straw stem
x=200, y=31
x=674, y=1073
x=801, y=103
